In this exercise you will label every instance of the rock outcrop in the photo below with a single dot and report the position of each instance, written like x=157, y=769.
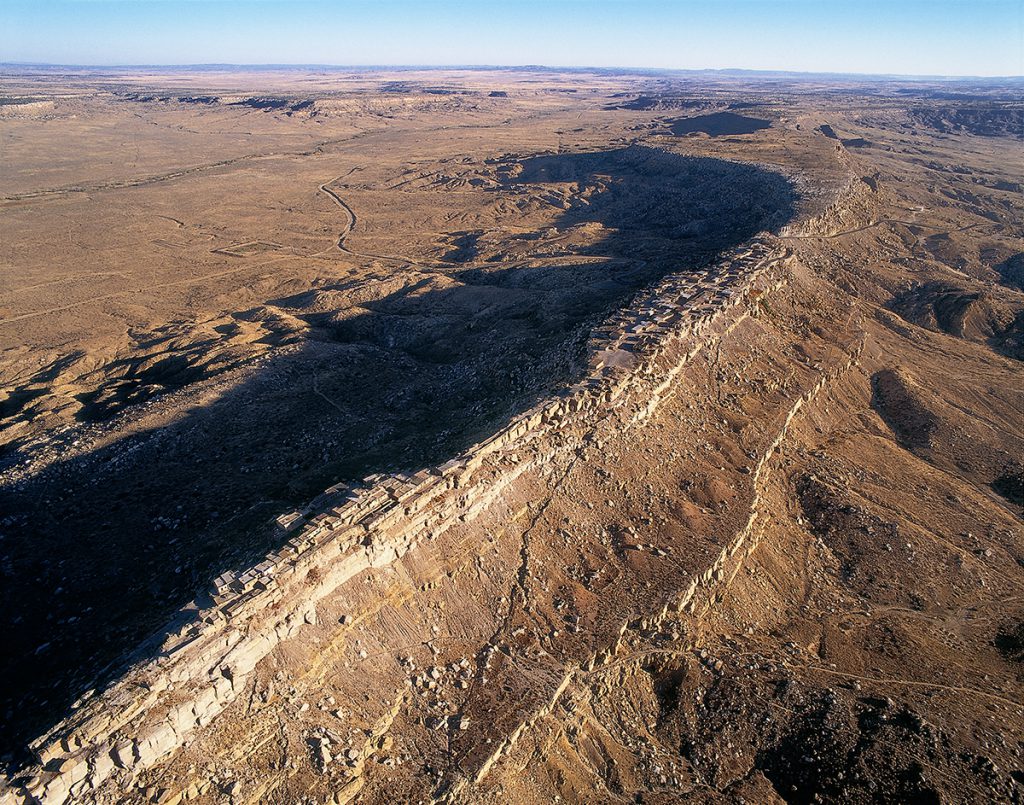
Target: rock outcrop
x=208, y=654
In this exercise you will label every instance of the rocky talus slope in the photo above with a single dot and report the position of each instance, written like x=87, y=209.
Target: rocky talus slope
x=209, y=662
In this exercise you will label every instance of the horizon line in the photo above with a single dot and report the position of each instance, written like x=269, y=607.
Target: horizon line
x=510, y=67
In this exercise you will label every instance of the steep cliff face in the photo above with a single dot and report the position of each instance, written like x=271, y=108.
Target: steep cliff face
x=512, y=486
x=203, y=429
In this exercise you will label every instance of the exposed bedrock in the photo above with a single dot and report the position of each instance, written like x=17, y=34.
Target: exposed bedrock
x=548, y=551
x=333, y=385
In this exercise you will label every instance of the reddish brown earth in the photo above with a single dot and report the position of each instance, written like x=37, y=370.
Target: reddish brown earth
x=781, y=562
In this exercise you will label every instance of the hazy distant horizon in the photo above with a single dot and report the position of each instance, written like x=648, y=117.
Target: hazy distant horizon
x=613, y=69
x=910, y=39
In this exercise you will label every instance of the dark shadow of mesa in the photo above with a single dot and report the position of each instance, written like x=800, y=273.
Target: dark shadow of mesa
x=100, y=551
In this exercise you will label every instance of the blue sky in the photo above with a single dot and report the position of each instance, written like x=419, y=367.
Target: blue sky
x=944, y=37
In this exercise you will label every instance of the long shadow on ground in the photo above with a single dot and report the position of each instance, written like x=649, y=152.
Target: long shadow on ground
x=99, y=551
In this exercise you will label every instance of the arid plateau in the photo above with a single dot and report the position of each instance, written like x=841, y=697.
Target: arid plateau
x=510, y=436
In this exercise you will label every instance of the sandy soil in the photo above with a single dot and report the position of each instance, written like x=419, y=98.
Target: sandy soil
x=238, y=289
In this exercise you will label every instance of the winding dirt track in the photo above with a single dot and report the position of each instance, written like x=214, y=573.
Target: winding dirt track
x=206, y=278
x=351, y=224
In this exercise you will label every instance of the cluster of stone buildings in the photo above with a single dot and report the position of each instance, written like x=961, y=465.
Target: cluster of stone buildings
x=352, y=517
x=346, y=530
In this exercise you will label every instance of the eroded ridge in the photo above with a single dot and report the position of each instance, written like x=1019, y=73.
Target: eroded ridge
x=209, y=652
